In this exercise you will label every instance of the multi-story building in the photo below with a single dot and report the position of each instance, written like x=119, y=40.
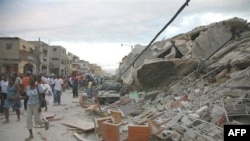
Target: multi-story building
x=58, y=59
x=71, y=58
x=42, y=56
x=16, y=55
x=80, y=67
x=96, y=70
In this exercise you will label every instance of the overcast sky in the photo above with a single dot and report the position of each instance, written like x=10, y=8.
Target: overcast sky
x=95, y=29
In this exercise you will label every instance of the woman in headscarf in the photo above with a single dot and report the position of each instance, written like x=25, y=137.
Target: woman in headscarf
x=13, y=99
x=34, y=106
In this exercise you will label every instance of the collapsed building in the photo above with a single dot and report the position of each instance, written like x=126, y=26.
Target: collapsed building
x=200, y=80
x=185, y=88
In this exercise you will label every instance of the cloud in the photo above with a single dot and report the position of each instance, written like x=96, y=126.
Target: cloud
x=102, y=23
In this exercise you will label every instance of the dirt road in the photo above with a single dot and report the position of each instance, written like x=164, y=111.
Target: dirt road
x=17, y=131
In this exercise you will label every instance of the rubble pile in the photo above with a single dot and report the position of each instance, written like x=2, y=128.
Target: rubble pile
x=197, y=81
x=187, y=87
x=171, y=59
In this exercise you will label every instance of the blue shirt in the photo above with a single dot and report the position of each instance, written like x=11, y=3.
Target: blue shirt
x=33, y=95
x=11, y=91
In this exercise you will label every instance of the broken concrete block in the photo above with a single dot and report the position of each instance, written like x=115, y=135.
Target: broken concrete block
x=208, y=41
x=189, y=134
x=165, y=135
x=171, y=55
x=216, y=112
x=177, y=103
x=186, y=121
x=202, y=109
x=160, y=108
x=206, y=89
x=154, y=128
x=186, y=104
x=197, y=91
x=134, y=95
x=222, y=74
x=187, y=138
x=195, y=115
x=129, y=109
x=175, y=120
x=152, y=94
x=192, y=96
x=200, y=138
x=215, y=133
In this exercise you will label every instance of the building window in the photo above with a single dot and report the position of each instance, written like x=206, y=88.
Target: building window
x=8, y=46
x=54, y=49
x=55, y=58
x=24, y=47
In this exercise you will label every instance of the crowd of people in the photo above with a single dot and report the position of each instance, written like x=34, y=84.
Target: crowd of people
x=38, y=91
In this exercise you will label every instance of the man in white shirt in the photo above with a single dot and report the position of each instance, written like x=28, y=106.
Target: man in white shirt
x=4, y=84
x=58, y=90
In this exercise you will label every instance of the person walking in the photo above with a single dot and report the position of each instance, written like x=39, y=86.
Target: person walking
x=42, y=93
x=90, y=88
x=74, y=81
x=13, y=99
x=4, y=85
x=25, y=83
x=34, y=107
x=48, y=93
x=58, y=90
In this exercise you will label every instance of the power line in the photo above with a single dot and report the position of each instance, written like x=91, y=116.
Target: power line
x=156, y=36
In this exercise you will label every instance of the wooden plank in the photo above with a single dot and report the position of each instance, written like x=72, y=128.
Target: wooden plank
x=80, y=124
x=98, y=125
x=145, y=113
x=98, y=122
x=110, y=132
x=48, y=115
x=138, y=133
x=156, y=128
x=116, y=115
x=92, y=108
x=56, y=118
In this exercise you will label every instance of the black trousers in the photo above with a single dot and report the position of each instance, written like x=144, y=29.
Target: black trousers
x=3, y=96
x=25, y=100
x=75, y=92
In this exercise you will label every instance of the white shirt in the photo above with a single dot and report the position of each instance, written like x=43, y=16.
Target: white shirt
x=47, y=80
x=18, y=80
x=47, y=89
x=4, y=86
x=51, y=81
x=58, y=84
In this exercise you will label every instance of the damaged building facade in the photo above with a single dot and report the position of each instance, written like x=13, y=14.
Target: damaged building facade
x=200, y=80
